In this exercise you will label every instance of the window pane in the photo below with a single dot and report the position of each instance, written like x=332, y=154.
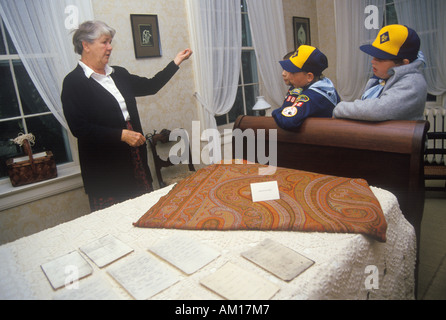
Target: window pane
x=8, y=149
x=31, y=100
x=49, y=137
x=9, y=106
x=237, y=109
x=2, y=44
x=11, y=46
x=249, y=63
x=246, y=32
x=251, y=93
x=391, y=16
x=221, y=120
x=431, y=98
x=244, y=6
x=10, y=129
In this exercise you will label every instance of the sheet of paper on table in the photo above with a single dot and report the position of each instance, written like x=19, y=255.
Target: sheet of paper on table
x=88, y=289
x=66, y=269
x=185, y=253
x=106, y=250
x=234, y=283
x=278, y=259
x=143, y=276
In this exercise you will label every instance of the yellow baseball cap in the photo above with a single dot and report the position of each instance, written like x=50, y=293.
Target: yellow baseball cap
x=394, y=42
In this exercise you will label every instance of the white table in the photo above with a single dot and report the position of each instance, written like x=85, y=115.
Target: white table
x=343, y=269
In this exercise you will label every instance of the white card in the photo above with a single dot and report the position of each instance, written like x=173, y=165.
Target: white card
x=66, y=269
x=143, y=276
x=88, y=289
x=234, y=283
x=185, y=253
x=282, y=261
x=265, y=191
x=106, y=250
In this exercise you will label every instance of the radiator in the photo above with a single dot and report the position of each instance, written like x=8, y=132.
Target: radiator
x=435, y=148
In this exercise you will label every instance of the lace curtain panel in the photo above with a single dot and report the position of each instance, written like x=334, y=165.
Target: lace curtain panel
x=427, y=18
x=216, y=33
x=353, y=67
x=268, y=34
x=41, y=33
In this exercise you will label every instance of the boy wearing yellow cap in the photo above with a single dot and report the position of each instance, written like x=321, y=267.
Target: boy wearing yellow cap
x=398, y=89
x=311, y=95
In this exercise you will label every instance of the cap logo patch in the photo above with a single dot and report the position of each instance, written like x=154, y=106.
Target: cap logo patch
x=385, y=37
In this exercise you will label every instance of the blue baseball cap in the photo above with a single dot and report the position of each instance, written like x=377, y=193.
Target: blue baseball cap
x=308, y=59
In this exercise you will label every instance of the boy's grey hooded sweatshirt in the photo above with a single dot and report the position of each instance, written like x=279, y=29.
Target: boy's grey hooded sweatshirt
x=403, y=97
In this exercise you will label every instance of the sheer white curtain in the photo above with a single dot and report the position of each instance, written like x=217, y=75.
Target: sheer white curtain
x=216, y=32
x=268, y=35
x=40, y=31
x=353, y=66
x=427, y=18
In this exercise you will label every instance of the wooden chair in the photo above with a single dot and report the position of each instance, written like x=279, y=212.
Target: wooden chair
x=434, y=159
x=163, y=137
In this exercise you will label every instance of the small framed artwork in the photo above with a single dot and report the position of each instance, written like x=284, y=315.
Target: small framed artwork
x=302, y=33
x=146, y=38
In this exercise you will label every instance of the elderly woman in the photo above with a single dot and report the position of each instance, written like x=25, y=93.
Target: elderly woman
x=100, y=107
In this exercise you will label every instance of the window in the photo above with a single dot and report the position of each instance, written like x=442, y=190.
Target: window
x=22, y=110
x=391, y=17
x=248, y=89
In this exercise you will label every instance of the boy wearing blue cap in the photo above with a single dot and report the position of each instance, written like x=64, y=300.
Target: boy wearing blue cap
x=312, y=94
x=398, y=89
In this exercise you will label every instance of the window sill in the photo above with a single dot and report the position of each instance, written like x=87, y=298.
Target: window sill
x=68, y=178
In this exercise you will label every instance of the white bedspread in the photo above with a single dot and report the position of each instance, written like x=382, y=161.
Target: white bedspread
x=341, y=270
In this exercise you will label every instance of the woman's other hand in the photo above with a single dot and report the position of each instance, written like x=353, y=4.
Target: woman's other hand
x=182, y=56
x=132, y=138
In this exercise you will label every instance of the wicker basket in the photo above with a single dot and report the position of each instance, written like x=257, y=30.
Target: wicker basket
x=31, y=170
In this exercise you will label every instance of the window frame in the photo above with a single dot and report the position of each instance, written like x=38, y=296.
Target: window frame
x=69, y=175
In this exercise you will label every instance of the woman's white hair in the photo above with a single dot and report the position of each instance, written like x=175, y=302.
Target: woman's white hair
x=89, y=31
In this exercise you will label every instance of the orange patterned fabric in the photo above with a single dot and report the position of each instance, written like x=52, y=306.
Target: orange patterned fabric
x=218, y=197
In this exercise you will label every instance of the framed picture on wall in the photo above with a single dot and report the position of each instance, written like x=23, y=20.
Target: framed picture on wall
x=146, y=38
x=302, y=33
